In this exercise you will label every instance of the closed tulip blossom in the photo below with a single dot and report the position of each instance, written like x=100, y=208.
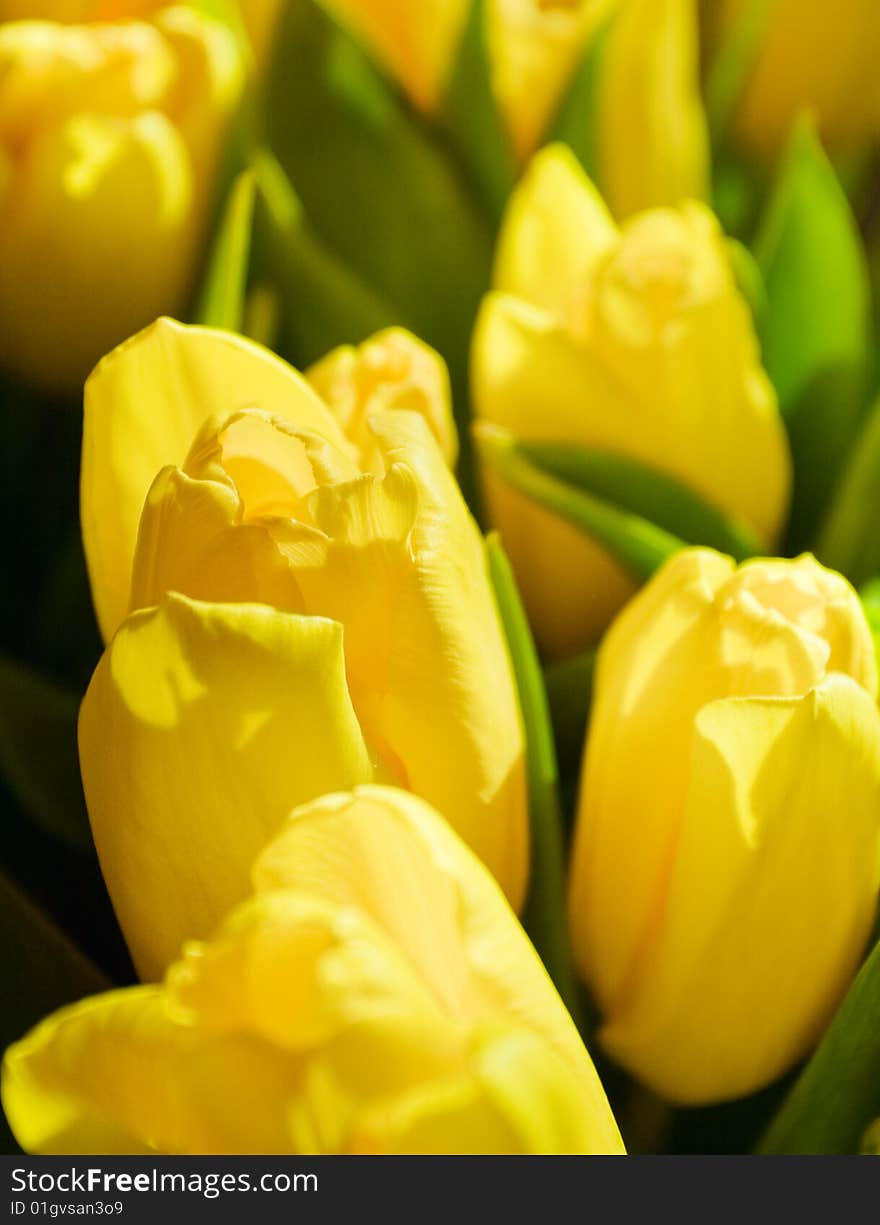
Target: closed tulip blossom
x=111, y=134
x=807, y=55
x=725, y=865
x=309, y=609
x=373, y=994
x=633, y=340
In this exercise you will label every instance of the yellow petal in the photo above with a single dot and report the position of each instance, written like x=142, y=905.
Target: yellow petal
x=386, y=853
x=400, y=564
x=513, y=1096
x=115, y=1074
x=391, y=370
x=192, y=540
x=535, y=46
x=144, y=404
x=87, y=186
x=221, y=718
x=771, y=899
x=298, y=972
x=820, y=602
x=655, y=668
x=653, y=138
x=555, y=230
x=208, y=83
x=529, y=377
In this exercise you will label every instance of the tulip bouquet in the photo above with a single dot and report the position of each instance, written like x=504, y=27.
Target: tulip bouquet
x=439, y=673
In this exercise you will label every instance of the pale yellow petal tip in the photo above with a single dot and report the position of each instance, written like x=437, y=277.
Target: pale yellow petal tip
x=391, y=370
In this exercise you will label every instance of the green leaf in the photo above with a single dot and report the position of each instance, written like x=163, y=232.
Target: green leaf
x=40, y=968
x=644, y=491
x=849, y=540
x=472, y=120
x=544, y=917
x=38, y=752
x=222, y=298
x=639, y=515
x=748, y=278
x=837, y=1095
x=322, y=303
x=870, y=597
x=577, y=120
x=377, y=186
x=569, y=685
x=736, y=193
x=815, y=331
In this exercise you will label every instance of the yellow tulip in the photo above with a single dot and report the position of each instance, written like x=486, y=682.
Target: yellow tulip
x=633, y=340
x=110, y=136
x=374, y=994
x=725, y=865
x=375, y=575
x=810, y=55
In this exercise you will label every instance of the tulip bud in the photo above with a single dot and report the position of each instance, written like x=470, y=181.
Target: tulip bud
x=725, y=865
x=110, y=135
x=360, y=538
x=810, y=55
x=328, y=1014
x=633, y=340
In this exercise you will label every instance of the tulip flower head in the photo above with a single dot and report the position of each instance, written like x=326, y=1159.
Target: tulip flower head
x=633, y=340
x=725, y=865
x=110, y=136
x=324, y=593
x=374, y=994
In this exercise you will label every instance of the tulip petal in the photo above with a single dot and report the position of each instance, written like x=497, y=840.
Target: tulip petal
x=764, y=864
x=514, y=1096
x=115, y=1074
x=192, y=541
x=144, y=404
x=298, y=972
x=86, y=187
x=222, y=717
x=555, y=230
x=385, y=852
x=391, y=370
x=402, y=552
x=535, y=49
x=653, y=133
